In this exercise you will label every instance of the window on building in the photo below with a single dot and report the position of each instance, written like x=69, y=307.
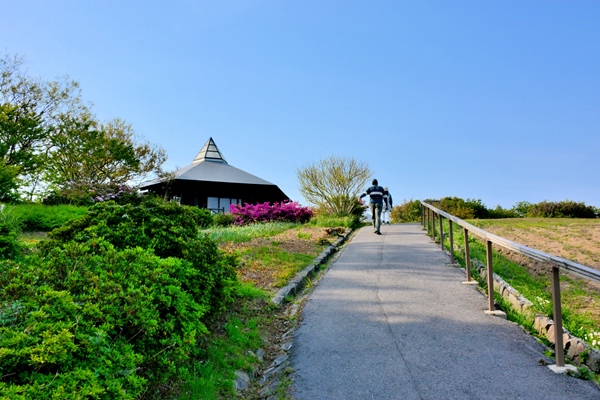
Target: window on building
x=221, y=204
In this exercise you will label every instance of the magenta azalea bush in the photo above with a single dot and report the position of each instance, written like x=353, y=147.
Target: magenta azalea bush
x=286, y=211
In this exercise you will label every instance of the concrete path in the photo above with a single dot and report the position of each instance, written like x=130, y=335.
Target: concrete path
x=391, y=320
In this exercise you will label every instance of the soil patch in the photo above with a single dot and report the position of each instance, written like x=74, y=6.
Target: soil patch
x=305, y=240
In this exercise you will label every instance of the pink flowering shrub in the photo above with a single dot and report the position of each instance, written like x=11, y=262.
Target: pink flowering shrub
x=286, y=211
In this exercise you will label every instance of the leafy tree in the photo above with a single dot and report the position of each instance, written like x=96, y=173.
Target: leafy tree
x=89, y=158
x=21, y=147
x=29, y=111
x=522, y=208
x=8, y=182
x=51, y=143
x=334, y=183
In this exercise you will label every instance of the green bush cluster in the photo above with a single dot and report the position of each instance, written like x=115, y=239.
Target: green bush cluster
x=475, y=209
x=408, y=211
x=39, y=217
x=562, y=209
x=464, y=209
x=113, y=307
x=155, y=224
x=223, y=219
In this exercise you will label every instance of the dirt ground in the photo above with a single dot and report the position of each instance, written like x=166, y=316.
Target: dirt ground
x=308, y=240
x=574, y=242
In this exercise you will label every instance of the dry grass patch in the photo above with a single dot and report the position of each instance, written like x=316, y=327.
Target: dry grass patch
x=269, y=263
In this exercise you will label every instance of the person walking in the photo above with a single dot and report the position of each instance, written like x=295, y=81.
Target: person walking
x=387, y=206
x=375, y=193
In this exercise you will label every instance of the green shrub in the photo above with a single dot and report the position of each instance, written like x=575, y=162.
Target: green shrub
x=409, y=211
x=224, y=219
x=522, y=208
x=40, y=217
x=562, y=209
x=88, y=319
x=102, y=311
x=464, y=209
x=155, y=224
x=10, y=230
x=500, y=212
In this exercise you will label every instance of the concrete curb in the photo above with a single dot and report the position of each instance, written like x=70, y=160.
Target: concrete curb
x=297, y=283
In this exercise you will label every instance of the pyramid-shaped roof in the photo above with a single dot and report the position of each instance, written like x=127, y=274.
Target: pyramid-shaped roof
x=210, y=151
x=210, y=166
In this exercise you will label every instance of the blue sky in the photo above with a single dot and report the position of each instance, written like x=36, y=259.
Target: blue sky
x=497, y=100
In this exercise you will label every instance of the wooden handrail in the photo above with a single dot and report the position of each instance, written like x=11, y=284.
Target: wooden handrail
x=489, y=239
x=573, y=267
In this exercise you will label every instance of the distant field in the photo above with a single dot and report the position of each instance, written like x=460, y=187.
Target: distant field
x=577, y=240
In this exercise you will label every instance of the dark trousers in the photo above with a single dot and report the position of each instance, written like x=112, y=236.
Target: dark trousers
x=376, y=214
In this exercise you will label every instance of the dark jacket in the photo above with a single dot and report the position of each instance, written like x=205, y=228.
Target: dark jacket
x=375, y=192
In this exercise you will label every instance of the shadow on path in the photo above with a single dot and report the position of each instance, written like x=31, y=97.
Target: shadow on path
x=391, y=320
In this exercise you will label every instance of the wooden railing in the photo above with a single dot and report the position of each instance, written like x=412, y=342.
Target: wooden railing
x=430, y=216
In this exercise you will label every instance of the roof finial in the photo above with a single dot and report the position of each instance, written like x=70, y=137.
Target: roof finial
x=210, y=152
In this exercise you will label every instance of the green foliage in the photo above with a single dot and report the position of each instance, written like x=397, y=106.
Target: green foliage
x=334, y=184
x=409, y=211
x=464, y=209
x=162, y=226
x=500, y=212
x=475, y=209
x=562, y=209
x=522, y=209
x=39, y=217
x=90, y=159
x=222, y=219
x=49, y=140
x=233, y=350
x=245, y=233
x=89, y=319
x=8, y=182
x=333, y=221
x=10, y=230
x=103, y=313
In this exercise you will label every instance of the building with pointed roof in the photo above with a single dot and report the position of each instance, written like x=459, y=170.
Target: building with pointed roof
x=210, y=182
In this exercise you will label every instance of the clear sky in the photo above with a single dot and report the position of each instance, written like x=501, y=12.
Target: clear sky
x=497, y=100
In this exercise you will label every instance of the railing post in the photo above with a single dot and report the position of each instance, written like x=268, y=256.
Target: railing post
x=467, y=254
x=451, y=238
x=433, y=225
x=490, y=276
x=441, y=231
x=559, y=349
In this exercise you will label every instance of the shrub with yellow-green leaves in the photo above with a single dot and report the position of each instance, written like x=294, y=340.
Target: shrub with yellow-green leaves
x=85, y=318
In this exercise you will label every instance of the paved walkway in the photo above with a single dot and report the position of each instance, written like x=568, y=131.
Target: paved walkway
x=391, y=320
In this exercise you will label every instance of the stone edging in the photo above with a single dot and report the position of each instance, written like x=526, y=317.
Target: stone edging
x=296, y=284
x=269, y=378
x=576, y=349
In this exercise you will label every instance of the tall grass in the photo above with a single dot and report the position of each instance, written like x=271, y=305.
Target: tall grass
x=245, y=233
x=331, y=221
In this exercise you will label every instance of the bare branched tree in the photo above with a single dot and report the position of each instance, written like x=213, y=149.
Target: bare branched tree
x=334, y=183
